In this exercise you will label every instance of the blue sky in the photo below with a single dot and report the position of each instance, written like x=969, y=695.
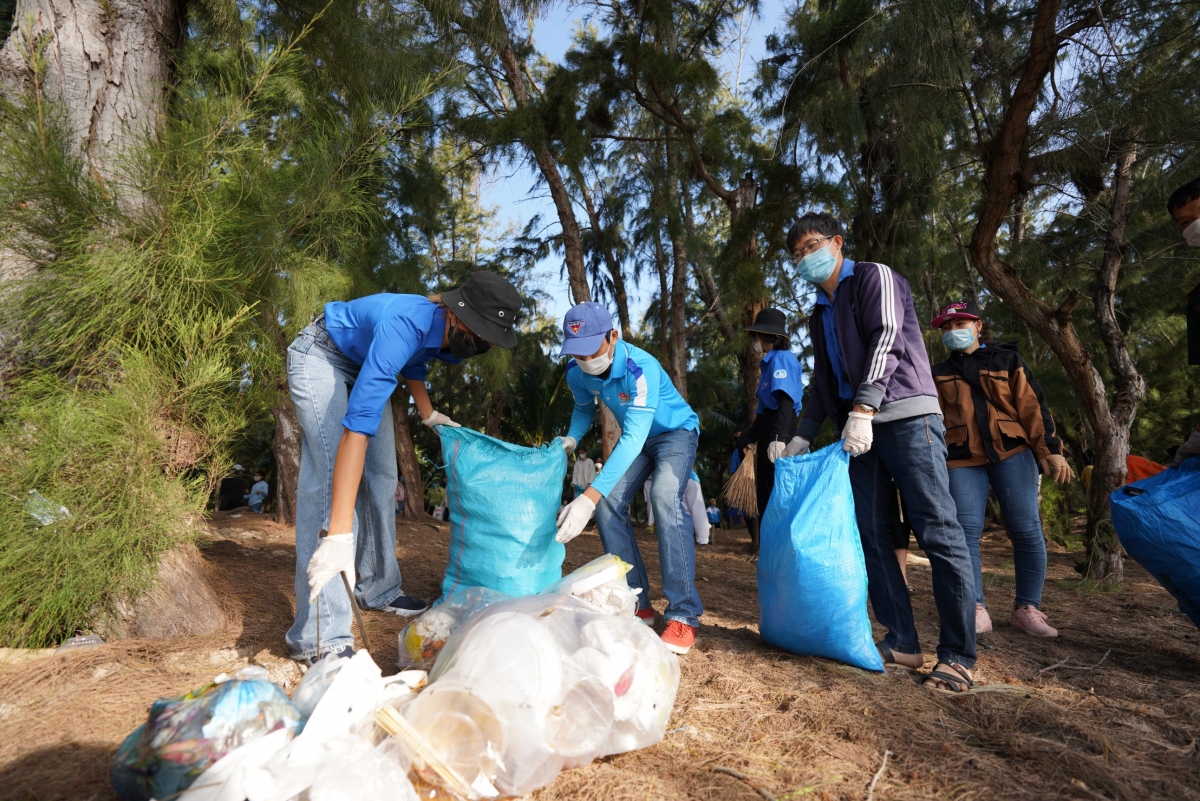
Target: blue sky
x=511, y=188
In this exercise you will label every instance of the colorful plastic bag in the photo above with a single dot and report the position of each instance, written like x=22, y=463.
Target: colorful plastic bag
x=812, y=581
x=503, y=502
x=1158, y=522
x=183, y=736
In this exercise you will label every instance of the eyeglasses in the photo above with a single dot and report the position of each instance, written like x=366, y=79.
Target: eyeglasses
x=811, y=247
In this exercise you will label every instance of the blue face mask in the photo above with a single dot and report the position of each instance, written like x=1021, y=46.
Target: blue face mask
x=817, y=266
x=959, y=338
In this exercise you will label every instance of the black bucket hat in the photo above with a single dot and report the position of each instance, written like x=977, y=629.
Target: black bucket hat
x=488, y=305
x=772, y=322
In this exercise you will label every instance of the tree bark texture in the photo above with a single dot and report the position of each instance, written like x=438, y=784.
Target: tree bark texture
x=108, y=64
x=572, y=240
x=677, y=341
x=406, y=458
x=603, y=241
x=286, y=446
x=1005, y=162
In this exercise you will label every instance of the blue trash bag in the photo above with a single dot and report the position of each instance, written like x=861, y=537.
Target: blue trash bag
x=183, y=736
x=812, y=581
x=1158, y=521
x=503, y=501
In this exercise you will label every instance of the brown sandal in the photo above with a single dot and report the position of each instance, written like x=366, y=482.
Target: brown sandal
x=958, y=682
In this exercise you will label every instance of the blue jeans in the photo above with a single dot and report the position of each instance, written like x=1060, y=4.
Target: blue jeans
x=668, y=458
x=256, y=507
x=320, y=378
x=1015, y=482
x=912, y=453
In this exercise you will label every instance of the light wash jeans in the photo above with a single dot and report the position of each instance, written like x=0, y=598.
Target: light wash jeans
x=320, y=378
x=1015, y=482
x=668, y=458
x=913, y=453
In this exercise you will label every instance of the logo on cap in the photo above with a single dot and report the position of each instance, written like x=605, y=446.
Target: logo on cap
x=575, y=326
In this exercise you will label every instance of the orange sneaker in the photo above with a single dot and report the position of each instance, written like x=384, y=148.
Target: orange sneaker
x=646, y=616
x=679, y=637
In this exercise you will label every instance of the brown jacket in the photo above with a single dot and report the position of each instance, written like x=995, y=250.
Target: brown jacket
x=1005, y=416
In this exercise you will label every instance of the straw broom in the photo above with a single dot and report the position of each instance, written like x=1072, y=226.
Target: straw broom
x=740, y=491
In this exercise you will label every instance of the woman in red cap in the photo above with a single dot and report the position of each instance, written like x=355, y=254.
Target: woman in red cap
x=999, y=432
x=342, y=370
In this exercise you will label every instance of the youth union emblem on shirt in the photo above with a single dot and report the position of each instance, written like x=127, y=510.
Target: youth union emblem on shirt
x=781, y=373
x=624, y=398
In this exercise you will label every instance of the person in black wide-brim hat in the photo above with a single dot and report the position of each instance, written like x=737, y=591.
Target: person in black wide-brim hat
x=779, y=393
x=342, y=370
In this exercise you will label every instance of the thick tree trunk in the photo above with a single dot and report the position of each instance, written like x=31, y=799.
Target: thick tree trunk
x=406, y=458
x=495, y=412
x=572, y=241
x=286, y=448
x=108, y=64
x=1004, y=167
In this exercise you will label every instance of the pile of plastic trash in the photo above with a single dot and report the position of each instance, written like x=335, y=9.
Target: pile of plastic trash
x=520, y=689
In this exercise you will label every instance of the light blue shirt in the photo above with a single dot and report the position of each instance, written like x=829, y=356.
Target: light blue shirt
x=779, y=371
x=640, y=395
x=832, y=348
x=387, y=335
x=258, y=493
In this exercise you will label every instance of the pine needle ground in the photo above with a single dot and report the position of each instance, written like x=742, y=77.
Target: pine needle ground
x=1056, y=718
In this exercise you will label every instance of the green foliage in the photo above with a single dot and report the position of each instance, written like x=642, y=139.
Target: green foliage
x=111, y=456
x=152, y=329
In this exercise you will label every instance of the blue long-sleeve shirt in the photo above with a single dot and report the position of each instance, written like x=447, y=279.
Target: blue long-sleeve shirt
x=387, y=335
x=640, y=395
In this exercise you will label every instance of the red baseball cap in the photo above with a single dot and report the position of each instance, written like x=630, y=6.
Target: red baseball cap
x=959, y=310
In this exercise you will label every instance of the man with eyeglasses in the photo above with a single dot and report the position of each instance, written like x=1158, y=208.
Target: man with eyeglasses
x=871, y=378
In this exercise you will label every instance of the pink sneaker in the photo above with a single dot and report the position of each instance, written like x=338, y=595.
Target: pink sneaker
x=1032, y=620
x=983, y=621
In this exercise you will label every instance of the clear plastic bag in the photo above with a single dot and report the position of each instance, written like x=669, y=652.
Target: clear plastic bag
x=183, y=736
x=529, y=686
x=423, y=638
x=358, y=771
x=315, y=682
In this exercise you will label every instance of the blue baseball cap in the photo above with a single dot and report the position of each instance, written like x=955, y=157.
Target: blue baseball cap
x=584, y=329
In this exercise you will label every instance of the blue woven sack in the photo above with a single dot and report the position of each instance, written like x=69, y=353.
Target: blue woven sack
x=503, y=501
x=812, y=581
x=1158, y=521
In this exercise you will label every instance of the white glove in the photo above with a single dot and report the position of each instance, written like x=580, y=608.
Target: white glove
x=334, y=555
x=1055, y=467
x=858, y=434
x=439, y=419
x=797, y=447
x=569, y=444
x=775, y=450
x=573, y=518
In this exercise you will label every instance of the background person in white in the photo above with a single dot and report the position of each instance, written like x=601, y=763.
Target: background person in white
x=584, y=473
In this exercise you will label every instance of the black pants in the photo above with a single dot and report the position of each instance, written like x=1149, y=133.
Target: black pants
x=764, y=468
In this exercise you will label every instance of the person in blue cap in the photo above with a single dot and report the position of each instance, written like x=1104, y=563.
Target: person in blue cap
x=342, y=371
x=659, y=432
x=779, y=395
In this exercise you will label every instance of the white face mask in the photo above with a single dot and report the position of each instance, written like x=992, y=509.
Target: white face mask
x=757, y=345
x=1191, y=234
x=597, y=365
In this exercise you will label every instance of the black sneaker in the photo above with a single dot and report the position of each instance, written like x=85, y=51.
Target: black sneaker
x=346, y=651
x=405, y=606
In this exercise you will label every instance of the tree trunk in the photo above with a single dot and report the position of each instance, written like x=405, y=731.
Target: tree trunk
x=286, y=447
x=495, y=412
x=741, y=200
x=108, y=66
x=1104, y=556
x=1004, y=162
x=406, y=457
x=677, y=343
x=604, y=243
x=572, y=241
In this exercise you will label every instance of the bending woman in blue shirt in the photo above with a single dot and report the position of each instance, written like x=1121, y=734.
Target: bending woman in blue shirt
x=341, y=374
x=779, y=394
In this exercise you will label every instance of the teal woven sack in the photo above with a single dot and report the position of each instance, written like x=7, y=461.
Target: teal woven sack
x=503, y=501
x=812, y=581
